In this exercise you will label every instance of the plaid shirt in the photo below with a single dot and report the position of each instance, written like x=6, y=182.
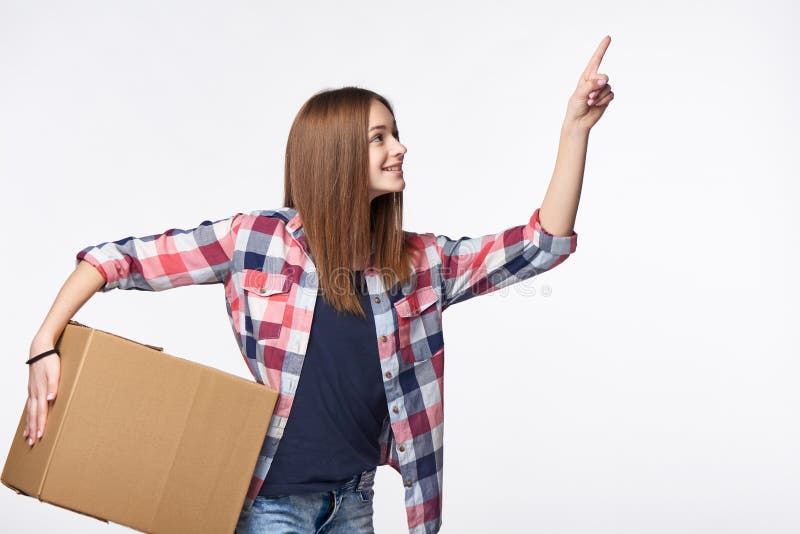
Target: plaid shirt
x=271, y=285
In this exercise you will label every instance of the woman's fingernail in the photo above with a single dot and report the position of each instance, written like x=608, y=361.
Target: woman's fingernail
x=601, y=81
x=30, y=441
x=39, y=434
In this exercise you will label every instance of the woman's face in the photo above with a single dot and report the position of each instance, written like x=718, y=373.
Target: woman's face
x=385, y=153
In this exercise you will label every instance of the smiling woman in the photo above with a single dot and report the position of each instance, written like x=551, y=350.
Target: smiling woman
x=338, y=308
x=352, y=208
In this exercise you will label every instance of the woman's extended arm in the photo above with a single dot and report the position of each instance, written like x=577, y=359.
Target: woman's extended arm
x=43, y=374
x=586, y=106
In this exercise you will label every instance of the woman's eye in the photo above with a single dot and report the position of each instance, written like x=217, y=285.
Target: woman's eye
x=379, y=137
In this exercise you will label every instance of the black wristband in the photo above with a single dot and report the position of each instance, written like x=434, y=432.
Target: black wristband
x=42, y=355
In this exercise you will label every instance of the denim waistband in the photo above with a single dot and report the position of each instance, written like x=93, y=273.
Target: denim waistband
x=361, y=481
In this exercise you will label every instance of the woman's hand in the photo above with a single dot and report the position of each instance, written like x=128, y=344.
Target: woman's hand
x=593, y=94
x=43, y=376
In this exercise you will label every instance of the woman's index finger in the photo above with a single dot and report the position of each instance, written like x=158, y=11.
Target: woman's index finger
x=594, y=63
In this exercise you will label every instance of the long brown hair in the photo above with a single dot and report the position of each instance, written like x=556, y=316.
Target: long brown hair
x=327, y=181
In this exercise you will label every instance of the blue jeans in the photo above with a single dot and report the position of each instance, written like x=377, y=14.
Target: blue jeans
x=347, y=510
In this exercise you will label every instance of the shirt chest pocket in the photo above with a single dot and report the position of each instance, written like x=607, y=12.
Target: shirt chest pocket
x=419, y=325
x=266, y=298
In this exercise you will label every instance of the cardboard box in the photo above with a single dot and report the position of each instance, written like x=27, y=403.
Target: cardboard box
x=142, y=438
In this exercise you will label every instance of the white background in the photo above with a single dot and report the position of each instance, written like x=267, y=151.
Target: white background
x=655, y=390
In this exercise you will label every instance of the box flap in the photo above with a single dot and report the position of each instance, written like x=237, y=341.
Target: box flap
x=76, y=323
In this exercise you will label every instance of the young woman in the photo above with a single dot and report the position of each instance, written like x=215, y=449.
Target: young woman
x=330, y=284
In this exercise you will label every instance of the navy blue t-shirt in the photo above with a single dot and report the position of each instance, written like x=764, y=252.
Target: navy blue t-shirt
x=339, y=406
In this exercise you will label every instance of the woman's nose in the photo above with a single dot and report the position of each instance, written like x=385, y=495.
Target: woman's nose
x=400, y=148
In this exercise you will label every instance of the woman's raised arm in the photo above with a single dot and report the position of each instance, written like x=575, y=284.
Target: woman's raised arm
x=586, y=105
x=476, y=266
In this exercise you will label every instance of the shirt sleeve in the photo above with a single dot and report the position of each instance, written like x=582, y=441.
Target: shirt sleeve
x=175, y=258
x=473, y=266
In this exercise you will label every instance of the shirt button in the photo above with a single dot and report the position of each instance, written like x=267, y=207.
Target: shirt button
x=377, y=300
x=408, y=483
x=401, y=448
x=395, y=410
x=384, y=338
x=388, y=374
x=416, y=311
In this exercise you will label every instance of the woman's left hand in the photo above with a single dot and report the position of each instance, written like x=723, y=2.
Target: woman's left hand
x=593, y=94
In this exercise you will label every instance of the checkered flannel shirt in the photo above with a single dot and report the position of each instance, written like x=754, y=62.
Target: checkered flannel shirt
x=270, y=281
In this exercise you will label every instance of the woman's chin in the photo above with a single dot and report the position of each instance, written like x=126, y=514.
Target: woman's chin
x=395, y=188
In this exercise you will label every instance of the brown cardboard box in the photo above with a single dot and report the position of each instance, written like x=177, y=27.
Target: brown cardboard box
x=142, y=438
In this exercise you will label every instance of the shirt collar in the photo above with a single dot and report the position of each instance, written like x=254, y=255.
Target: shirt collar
x=294, y=223
x=293, y=220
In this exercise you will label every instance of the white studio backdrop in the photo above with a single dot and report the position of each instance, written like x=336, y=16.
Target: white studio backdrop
x=648, y=384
